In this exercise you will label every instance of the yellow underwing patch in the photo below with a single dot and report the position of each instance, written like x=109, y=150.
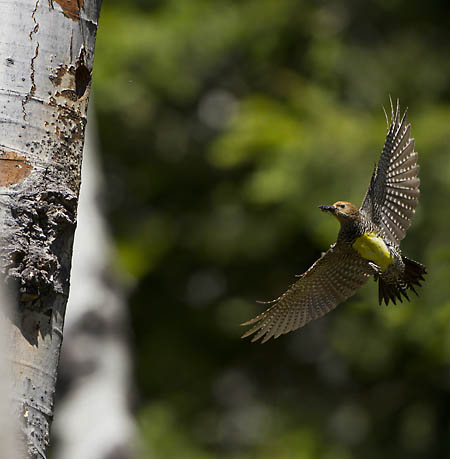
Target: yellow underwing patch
x=373, y=248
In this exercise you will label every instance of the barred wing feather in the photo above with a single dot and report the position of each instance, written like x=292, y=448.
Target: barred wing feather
x=393, y=194
x=333, y=278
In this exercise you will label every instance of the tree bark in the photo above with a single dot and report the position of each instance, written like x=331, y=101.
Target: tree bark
x=46, y=50
x=10, y=446
x=93, y=419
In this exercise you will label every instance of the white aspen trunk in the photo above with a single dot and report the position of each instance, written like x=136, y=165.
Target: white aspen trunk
x=10, y=447
x=93, y=419
x=46, y=58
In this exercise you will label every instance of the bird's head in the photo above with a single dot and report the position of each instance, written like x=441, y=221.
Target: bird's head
x=342, y=210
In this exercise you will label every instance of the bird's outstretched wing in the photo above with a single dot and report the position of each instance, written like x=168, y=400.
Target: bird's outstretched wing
x=333, y=278
x=393, y=193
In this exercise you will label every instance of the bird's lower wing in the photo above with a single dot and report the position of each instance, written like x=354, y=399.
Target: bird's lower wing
x=333, y=278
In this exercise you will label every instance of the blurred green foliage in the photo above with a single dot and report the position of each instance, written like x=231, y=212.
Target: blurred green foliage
x=224, y=124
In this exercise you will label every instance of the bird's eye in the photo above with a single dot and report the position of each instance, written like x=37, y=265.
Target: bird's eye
x=342, y=206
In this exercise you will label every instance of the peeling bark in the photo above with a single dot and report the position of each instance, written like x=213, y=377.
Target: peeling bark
x=46, y=67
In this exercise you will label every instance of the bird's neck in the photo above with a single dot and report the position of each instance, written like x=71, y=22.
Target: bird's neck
x=350, y=229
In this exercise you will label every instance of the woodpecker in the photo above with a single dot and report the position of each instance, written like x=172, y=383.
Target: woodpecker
x=368, y=243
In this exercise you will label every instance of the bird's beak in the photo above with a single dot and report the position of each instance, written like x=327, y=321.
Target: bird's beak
x=331, y=209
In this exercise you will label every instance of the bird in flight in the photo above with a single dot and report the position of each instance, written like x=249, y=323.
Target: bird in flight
x=368, y=244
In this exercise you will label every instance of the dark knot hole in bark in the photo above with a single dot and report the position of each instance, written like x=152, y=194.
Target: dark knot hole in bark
x=82, y=80
x=17, y=257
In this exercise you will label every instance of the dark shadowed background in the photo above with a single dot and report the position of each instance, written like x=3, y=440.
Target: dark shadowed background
x=223, y=125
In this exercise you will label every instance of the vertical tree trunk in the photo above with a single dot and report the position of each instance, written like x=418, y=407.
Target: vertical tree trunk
x=93, y=419
x=9, y=445
x=46, y=50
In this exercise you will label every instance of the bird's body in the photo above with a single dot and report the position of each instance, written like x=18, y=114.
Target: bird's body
x=368, y=244
x=373, y=248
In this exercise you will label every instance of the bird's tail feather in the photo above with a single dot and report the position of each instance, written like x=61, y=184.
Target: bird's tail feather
x=413, y=275
x=414, y=272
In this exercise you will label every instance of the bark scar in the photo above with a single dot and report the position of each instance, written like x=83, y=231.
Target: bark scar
x=32, y=91
x=33, y=83
x=14, y=168
x=36, y=25
x=71, y=8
